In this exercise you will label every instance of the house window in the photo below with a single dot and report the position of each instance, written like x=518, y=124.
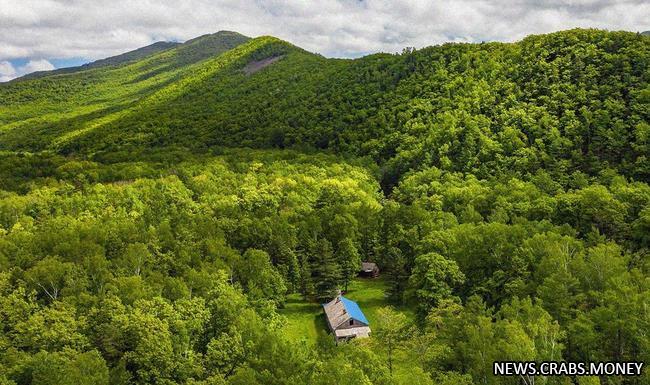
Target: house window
x=351, y=322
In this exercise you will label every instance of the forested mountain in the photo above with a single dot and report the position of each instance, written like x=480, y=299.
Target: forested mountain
x=127, y=57
x=571, y=101
x=156, y=213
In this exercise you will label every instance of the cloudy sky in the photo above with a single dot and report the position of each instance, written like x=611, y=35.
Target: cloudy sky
x=45, y=34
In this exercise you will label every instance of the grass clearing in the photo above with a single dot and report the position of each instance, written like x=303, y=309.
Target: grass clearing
x=305, y=320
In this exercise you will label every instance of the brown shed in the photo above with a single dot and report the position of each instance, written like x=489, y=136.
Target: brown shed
x=369, y=269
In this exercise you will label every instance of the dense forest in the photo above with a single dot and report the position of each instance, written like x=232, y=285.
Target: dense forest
x=157, y=210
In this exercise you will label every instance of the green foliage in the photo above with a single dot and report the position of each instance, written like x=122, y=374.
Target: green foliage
x=173, y=277
x=563, y=102
x=390, y=330
x=501, y=188
x=433, y=279
x=69, y=368
x=326, y=273
x=259, y=278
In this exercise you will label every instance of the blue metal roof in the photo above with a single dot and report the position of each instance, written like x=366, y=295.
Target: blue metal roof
x=354, y=310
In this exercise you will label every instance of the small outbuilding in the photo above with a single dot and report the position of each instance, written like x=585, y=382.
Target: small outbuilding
x=345, y=319
x=369, y=269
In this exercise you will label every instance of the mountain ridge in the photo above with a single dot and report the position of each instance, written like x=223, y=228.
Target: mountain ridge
x=190, y=51
x=144, y=52
x=380, y=106
x=124, y=58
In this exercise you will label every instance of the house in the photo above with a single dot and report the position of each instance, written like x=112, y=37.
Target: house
x=369, y=269
x=345, y=319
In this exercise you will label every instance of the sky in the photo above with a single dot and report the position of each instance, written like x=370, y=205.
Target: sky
x=45, y=34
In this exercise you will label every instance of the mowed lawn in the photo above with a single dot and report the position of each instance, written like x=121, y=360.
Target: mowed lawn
x=305, y=320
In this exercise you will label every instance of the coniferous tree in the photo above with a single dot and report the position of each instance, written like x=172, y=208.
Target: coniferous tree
x=326, y=272
x=349, y=259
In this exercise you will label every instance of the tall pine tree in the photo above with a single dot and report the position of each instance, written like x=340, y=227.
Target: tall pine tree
x=326, y=273
x=349, y=259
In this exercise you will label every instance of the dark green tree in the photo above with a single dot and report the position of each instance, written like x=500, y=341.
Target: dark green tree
x=326, y=273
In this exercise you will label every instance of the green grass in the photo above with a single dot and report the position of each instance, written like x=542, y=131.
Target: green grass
x=305, y=320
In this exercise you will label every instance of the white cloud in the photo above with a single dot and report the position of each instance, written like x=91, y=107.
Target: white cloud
x=36, y=65
x=94, y=29
x=8, y=71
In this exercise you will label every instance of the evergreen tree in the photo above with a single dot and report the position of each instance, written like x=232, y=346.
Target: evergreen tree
x=349, y=259
x=326, y=272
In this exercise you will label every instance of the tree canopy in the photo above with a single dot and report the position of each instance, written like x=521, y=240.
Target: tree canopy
x=156, y=213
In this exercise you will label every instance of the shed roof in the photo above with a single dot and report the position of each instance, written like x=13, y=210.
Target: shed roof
x=354, y=310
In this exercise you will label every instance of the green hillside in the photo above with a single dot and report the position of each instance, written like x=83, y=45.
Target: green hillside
x=37, y=112
x=179, y=217
x=393, y=108
x=126, y=57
